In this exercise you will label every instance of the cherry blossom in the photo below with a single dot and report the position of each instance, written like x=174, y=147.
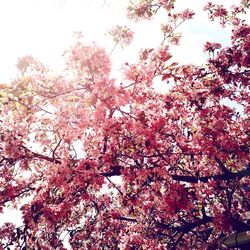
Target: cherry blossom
x=102, y=164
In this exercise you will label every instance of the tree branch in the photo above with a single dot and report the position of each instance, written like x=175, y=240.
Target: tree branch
x=116, y=171
x=56, y=147
x=113, y=184
x=227, y=176
x=185, y=228
x=128, y=219
x=222, y=166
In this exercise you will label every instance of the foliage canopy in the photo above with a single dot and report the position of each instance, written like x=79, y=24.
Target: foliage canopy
x=182, y=157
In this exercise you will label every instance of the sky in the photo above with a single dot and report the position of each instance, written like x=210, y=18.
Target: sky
x=44, y=28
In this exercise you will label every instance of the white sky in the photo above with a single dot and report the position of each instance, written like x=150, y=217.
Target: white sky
x=43, y=28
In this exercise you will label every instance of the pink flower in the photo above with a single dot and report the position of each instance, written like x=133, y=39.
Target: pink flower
x=121, y=35
x=187, y=14
x=211, y=47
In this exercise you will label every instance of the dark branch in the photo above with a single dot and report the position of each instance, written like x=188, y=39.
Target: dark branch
x=128, y=219
x=227, y=176
x=184, y=228
x=116, y=171
x=56, y=147
x=190, y=225
x=47, y=158
x=222, y=166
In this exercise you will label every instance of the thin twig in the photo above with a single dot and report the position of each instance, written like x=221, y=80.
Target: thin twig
x=113, y=184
